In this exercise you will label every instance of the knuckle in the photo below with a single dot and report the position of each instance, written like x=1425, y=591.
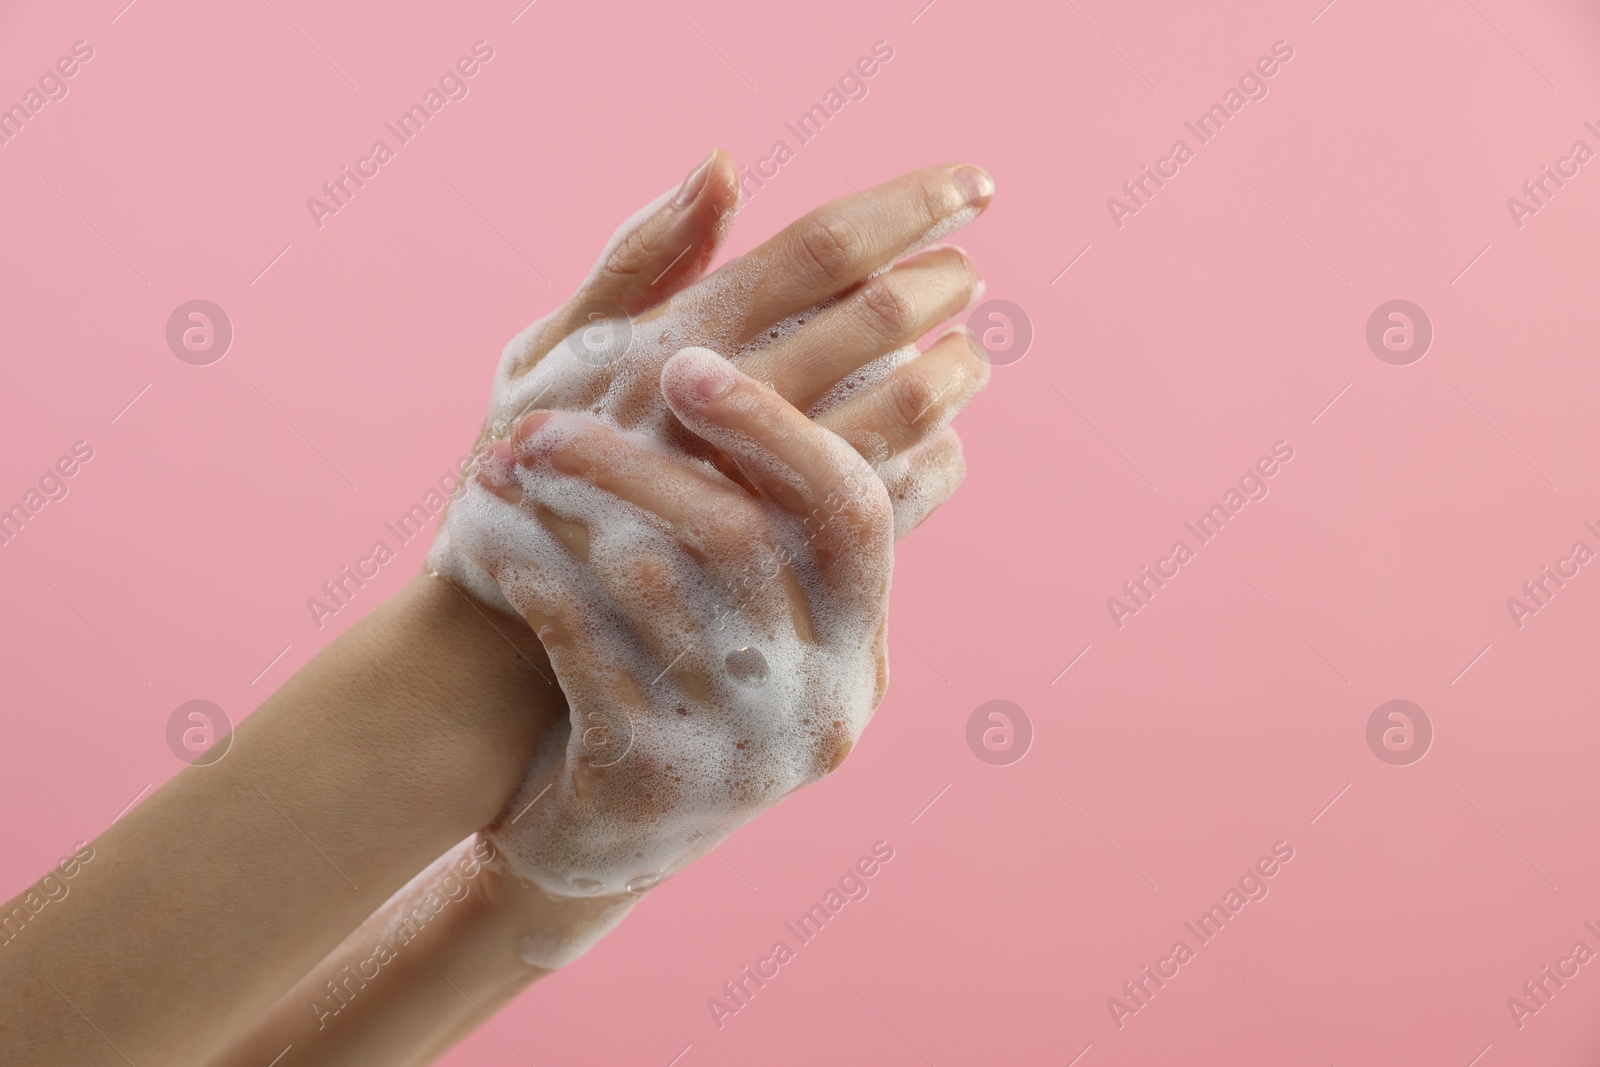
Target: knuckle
x=829, y=247
x=630, y=255
x=870, y=513
x=913, y=397
x=889, y=309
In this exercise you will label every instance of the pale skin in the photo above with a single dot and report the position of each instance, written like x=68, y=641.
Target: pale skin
x=214, y=912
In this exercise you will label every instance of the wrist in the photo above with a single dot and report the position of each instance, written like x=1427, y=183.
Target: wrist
x=470, y=687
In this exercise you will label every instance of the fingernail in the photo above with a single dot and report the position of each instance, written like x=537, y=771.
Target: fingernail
x=529, y=426
x=975, y=185
x=713, y=384
x=693, y=183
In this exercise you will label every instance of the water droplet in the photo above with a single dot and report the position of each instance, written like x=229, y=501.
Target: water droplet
x=747, y=665
x=643, y=882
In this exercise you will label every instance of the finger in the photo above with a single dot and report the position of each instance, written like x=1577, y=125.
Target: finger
x=920, y=480
x=710, y=515
x=827, y=251
x=887, y=312
x=715, y=520
x=660, y=590
x=802, y=467
x=914, y=403
x=663, y=248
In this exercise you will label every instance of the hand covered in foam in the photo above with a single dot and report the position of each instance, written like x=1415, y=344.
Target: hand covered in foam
x=719, y=646
x=828, y=312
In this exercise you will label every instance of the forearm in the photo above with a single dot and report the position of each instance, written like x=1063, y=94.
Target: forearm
x=402, y=737
x=450, y=949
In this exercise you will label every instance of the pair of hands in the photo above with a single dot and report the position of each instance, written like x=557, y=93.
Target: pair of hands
x=688, y=489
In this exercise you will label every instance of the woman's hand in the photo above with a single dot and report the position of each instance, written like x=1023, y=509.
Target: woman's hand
x=719, y=647
x=828, y=312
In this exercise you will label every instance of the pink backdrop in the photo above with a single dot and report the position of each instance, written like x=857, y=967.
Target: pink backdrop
x=1228, y=313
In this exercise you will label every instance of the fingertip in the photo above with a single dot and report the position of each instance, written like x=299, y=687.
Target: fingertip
x=975, y=183
x=722, y=184
x=526, y=427
x=695, y=377
x=711, y=188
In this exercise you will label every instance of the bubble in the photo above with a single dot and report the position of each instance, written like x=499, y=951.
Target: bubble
x=643, y=882
x=746, y=665
x=587, y=885
x=199, y=332
x=1399, y=332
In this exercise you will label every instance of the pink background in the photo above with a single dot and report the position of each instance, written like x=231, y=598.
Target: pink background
x=1223, y=317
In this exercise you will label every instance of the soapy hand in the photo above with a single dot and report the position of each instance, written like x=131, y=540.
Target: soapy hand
x=828, y=312
x=719, y=646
